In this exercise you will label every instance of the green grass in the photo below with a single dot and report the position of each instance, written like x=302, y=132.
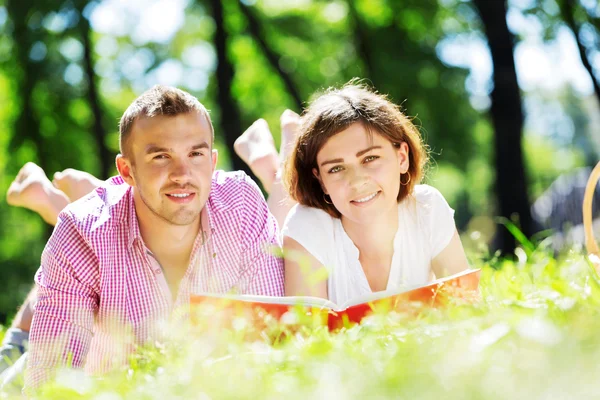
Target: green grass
x=534, y=335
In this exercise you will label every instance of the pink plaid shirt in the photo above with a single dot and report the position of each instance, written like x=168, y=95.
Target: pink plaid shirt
x=101, y=291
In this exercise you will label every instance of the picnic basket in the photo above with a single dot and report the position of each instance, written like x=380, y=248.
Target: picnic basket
x=588, y=198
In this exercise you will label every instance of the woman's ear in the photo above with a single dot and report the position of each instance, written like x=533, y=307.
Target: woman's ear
x=403, y=152
x=318, y=177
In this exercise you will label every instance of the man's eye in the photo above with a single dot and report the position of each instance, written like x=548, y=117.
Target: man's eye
x=196, y=154
x=370, y=158
x=335, y=169
x=160, y=157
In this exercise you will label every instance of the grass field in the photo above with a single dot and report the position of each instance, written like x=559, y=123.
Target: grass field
x=535, y=334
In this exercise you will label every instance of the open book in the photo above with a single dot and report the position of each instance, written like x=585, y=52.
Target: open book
x=438, y=292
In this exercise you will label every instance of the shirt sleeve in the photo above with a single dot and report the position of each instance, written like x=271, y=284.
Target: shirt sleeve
x=439, y=219
x=312, y=229
x=261, y=265
x=62, y=325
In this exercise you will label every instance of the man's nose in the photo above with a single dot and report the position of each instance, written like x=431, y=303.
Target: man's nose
x=180, y=171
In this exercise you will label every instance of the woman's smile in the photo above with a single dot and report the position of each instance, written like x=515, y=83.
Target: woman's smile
x=366, y=200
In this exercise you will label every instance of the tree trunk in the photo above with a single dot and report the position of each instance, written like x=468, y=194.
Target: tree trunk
x=271, y=55
x=507, y=118
x=230, y=115
x=27, y=124
x=105, y=156
x=361, y=42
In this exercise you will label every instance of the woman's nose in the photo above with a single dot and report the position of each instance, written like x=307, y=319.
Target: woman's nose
x=357, y=177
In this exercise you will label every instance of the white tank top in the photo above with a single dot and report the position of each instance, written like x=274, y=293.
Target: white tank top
x=425, y=227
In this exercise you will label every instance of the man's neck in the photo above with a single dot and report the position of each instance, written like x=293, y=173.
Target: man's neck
x=164, y=239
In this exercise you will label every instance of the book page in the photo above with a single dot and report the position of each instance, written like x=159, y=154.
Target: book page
x=290, y=300
x=393, y=292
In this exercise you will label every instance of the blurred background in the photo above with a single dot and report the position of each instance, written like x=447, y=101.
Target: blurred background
x=504, y=92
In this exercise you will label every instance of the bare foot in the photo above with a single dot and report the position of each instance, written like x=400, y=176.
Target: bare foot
x=74, y=183
x=33, y=190
x=290, y=128
x=256, y=147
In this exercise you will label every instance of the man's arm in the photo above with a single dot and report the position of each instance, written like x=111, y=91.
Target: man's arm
x=67, y=302
x=262, y=267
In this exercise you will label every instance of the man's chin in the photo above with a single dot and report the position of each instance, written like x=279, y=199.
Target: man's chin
x=184, y=218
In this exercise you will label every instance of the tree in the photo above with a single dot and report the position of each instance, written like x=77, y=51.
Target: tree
x=230, y=120
x=507, y=119
x=254, y=26
x=105, y=157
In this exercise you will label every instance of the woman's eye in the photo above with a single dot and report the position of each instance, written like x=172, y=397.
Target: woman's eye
x=371, y=158
x=335, y=169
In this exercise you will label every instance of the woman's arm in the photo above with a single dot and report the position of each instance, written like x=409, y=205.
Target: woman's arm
x=304, y=274
x=451, y=260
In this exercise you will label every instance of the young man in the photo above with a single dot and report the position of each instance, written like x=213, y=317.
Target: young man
x=122, y=258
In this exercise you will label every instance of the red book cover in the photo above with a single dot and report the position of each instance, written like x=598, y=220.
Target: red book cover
x=460, y=286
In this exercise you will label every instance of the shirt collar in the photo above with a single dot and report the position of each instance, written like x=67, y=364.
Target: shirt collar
x=134, y=226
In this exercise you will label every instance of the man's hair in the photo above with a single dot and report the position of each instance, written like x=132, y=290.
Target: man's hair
x=159, y=100
x=333, y=112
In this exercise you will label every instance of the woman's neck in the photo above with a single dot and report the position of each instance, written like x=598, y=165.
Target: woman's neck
x=375, y=238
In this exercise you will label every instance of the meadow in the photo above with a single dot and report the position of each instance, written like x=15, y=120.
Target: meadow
x=533, y=334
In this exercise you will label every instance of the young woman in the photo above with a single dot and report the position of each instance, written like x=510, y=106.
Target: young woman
x=362, y=214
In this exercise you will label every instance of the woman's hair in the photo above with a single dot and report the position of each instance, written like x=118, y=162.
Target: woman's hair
x=334, y=111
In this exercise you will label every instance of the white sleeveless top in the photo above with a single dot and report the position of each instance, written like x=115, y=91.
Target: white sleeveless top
x=425, y=227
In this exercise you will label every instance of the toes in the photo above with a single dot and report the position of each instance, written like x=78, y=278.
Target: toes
x=289, y=117
x=12, y=194
x=57, y=179
x=289, y=114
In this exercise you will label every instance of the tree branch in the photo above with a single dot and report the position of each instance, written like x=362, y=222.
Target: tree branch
x=360, y=41
x=568, y=14
x=271, y=55
x=104, y=154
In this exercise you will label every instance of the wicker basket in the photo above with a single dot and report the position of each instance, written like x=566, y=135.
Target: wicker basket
x=590, y=241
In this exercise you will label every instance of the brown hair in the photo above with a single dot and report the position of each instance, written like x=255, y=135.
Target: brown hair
x=333, y=112
x=159, y=100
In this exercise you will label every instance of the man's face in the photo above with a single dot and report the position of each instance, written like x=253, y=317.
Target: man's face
x=170, y=163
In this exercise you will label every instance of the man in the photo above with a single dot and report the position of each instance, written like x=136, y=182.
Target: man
x=122, y=258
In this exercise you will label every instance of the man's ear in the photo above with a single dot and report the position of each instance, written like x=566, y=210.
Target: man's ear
x=403, y=159
x=215, y=158
x=318, y=177
x=125, y=169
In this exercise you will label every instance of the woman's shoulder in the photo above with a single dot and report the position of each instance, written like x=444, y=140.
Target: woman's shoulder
x=427, y=197
x=426, y=194
x=304, y=215
x=313, y=229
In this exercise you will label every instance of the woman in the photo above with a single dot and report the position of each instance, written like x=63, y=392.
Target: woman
x=362, y=214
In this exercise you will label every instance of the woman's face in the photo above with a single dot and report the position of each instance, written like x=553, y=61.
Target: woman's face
x=361, y=172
